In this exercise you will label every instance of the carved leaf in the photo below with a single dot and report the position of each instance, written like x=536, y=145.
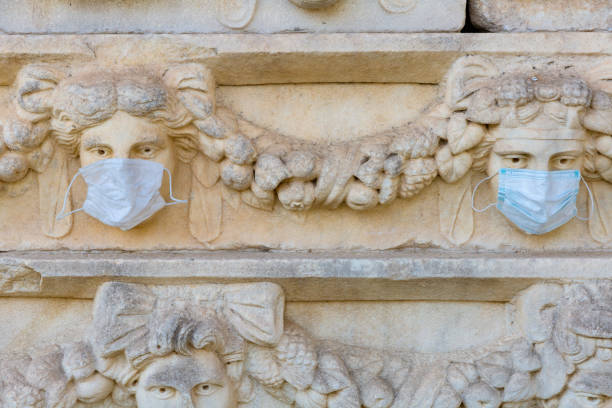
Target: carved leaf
x=331, y=375
x=600, y=220
x=455, y=209
x=205, y=170
x=462, y=135
x=195, y=87
x=520, y=387
x=481, y=395
x=460, y=375
x=447, y=398
x=467, y=76
x=52, y=188
x=551, y=379
x=524, y=358
x=206, y=205
x=451, y=168
x=495, y=369
x=483, y=108
x=376, y=393
x=600, y=77
x=310, y=399
x=35, y=85
x=346, y=398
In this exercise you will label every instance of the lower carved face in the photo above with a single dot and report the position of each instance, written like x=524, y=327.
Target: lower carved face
x=177, y=381
x=128, y=137
x=572, y=399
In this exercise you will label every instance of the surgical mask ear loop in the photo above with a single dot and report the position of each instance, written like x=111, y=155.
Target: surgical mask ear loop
x=590, y=198
x=174, y=199
x=61, y=215
x=474, y=194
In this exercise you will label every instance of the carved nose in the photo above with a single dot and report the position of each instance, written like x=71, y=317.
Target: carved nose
x=186, y=402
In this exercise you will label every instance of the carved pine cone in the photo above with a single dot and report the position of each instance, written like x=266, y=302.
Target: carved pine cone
x=418, y=174
x=262, y=367
x=297, y=357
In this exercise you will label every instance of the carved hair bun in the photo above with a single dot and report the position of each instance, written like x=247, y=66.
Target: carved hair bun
x=314, y=4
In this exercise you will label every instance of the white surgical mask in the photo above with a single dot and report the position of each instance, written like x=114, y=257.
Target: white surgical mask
x=537, y=201
x=122, y=192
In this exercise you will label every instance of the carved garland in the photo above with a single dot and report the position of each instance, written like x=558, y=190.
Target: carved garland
x=450, y=138
x=561, y=356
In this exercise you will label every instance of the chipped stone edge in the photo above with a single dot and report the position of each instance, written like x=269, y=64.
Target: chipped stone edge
x=324, y=276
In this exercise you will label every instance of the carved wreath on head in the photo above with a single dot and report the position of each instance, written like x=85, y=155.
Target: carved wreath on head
x=224, y=151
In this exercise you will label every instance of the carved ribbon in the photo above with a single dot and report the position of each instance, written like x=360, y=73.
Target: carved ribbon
x=127, y=315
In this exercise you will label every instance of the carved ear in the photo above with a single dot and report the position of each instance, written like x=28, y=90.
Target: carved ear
x=195, y=87
x=467, y=76
x=34, y=88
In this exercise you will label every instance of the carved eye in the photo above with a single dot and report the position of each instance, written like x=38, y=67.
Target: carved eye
x=146, y=151
x=162, y=392
x=515, y=161
x=101, y=151
x=563, y=162
x=205, y=389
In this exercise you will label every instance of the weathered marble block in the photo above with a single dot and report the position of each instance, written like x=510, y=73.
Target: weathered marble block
x=229, y=346
x=541, y=15
x=326, y=167
x=214, y=16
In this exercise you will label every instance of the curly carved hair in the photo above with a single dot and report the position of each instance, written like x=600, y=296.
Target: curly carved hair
x=87, y=100
x=518, y=100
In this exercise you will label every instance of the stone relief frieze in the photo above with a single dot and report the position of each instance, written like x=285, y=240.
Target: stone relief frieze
x=238, y=14
x=485, y=120
x=216, y=345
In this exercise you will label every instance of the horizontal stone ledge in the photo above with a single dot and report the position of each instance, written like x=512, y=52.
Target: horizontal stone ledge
x=392, y=275
x=243, y=59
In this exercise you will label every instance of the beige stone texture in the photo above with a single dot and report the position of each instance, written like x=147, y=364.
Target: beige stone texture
x=214, y=16
x=232, y=346
x=438, y=327
x=541, y=15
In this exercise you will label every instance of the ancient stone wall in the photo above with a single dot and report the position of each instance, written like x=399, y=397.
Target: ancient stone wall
x=305, y=203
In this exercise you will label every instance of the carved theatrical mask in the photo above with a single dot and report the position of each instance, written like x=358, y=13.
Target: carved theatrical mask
x=537, y=152
x=127, y=128
x=210, y=345
x=534, y=126
x=198, y=380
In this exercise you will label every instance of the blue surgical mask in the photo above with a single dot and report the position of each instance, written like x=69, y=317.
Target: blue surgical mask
x=536, y=201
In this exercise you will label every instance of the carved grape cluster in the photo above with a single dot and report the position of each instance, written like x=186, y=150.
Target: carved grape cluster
x=24, y=144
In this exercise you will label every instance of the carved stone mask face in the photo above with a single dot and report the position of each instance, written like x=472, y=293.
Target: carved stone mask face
x=127, y=137
x=177, y=381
